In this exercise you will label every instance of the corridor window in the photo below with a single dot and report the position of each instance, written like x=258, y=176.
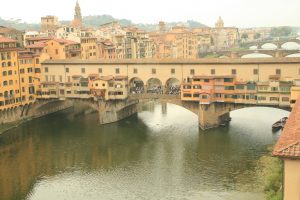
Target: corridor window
x=278, y=71
x=117, y=70
x=173, y=71
x=153, y=71
x=255, y=71
x=192, y=71
x=233, y=71
x=212, y=71
x=135, y=70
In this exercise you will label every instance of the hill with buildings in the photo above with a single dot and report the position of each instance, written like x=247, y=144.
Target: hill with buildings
x=96, y=21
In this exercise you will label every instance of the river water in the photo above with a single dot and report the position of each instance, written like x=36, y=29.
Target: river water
x=160, y=153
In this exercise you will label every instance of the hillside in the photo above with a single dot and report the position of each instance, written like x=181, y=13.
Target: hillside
x=96, y=21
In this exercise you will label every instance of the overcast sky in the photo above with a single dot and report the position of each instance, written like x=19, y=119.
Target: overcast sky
x=239, y=13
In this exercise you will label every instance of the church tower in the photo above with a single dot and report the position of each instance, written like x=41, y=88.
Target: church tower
x=77, y=22
x=220, y=23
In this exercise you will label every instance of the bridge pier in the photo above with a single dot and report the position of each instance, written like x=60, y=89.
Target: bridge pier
x=213, y=115
x=113, y=111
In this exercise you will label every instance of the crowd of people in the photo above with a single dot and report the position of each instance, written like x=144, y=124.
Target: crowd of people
x=137, y=90
x=155, y=90
x=173, y=90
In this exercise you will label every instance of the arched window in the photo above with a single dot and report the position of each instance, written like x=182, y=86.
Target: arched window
x=3, y=64
x=4, y=73
x=4, y=83
x=8, y=64
x=11, y=82
x=9, y=72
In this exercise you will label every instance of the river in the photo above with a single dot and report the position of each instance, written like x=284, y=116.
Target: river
x=160, y=153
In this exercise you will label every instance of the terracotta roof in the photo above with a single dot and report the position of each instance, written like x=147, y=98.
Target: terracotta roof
x=65, y=42
x=6, y=40
x=288, y=145
x=105, y=78
x=39, y=38
x=213, y=77
x=37, y=45
x=199, y=61
x=120, y=77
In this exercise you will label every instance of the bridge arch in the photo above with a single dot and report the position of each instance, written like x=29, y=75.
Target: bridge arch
x=154, y=85
x=291, y=46
x=254, y=47
x=257, y=55
x=294, y=55
x=269, y=46
x=172, y=86
x=136, y=85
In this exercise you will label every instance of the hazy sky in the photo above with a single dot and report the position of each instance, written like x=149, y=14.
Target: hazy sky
x=240, y=13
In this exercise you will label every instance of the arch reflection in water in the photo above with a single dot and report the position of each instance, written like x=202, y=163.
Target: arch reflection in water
x=149, y=156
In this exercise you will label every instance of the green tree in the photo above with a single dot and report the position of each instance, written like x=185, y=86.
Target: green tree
x=244, y=36
x=257, y=35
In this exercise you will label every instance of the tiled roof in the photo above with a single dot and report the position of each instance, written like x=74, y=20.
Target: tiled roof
x=65, y=42
x=288, y=145
x=6, y=40
x=37, y=45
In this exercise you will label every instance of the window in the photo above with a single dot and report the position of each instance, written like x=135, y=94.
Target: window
x=255, y=71
x=278, y=71
x=219, y=87
x=187, y=95
x=46, y=69
x=153, y=71
x=274, y=99
x=135, y=70
x=60, y=78
x=239, y=87
x=251, y=87
x=117, y=70
x=67, y=70
x=229, y=87
x=206, y=80
x=197, y=86
x=196, y=95
x=233, y=71
x=172, y=71
x=192, y=71
x=37, y=61
x=261, y=98
x=4, y=73
x=83, y=70
x=228, y=80
x=212, y=71
x=285, y=99
x=29, y=70
x=56, y=51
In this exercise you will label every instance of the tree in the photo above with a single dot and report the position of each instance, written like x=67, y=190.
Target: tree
x=244, y=36
x=257, y=35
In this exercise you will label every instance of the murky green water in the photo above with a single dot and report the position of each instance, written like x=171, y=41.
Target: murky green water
x=158, y=154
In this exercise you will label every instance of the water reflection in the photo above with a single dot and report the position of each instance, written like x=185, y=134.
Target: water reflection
x=158, y=154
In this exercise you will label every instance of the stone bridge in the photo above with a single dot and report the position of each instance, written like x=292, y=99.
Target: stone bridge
x=278, y=53
x=209, y=115
x=277, y=43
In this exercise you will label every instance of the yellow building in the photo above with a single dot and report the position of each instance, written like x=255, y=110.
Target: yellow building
x=295, y=92
x=287, y=148
x=110, y=88
x=89, y=48
x=62, y=49
x=49, y=23
x=10, y=94
x=29, y=76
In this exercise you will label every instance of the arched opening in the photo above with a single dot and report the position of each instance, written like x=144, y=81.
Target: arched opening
x=172, y=86
x=136, y=86
x=253, y=48
x=256, y=55
x=290, y=46
x=295, y=55
x=154, y=85
x=269, y=46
